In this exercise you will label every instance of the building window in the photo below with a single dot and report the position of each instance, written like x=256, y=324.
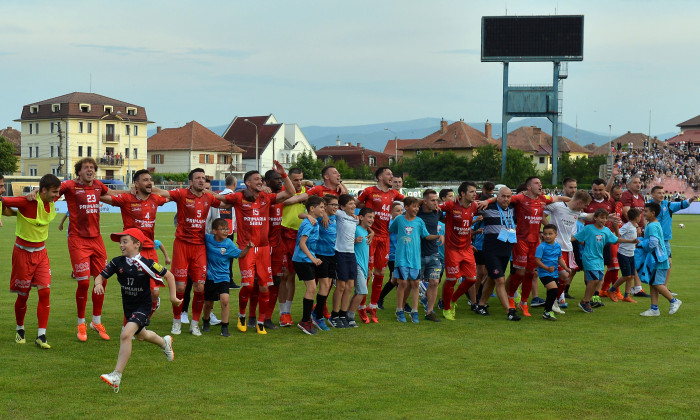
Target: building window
x=80, y=127
x=418, y=152
x=391, y=161
x=206, y=158
x=136, y=130
x=54, y=170
x=31, y=126
x=126, y=153
x=108, y=109
x=224, y=159
x=36, y=151
x=136, y=153
x=30, y=151
x=130, y=111
x=372, y=161
x=128, y=130
x=33, y=109
x=89, y=151
x=542, y=160
x=33, y=172
x=84, y=108
x=435, y=154
x=36, y=128
x=55, y=107
x=80, y=151
x=51, y=151
x=157, y=159
x=89, y=127
x=51, y=127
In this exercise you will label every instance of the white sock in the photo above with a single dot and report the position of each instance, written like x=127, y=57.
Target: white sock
x=97, y=319
x=176, y=320
x=42, y=331
x=636, y=289
x=289, y=306
x=20, y=327
x=241, y=315
x=81, y=321
x=194, y=323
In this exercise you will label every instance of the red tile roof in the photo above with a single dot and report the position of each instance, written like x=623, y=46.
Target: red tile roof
x=688, y=136
x=637, y=140
x=191, y=136
x=693, y=122
x=242, y=134
x=458, y=135
x=14, y=137
x=392, y=145
x=70, y=107
x=534, y=140
x=353, y=155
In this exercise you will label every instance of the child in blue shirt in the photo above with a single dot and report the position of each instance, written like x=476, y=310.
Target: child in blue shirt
x=548, y=258
x=362, y=231
x=409, y=230
x=220, y=251
x=396, y=211
x=594, y=238
x=306, y=262
x=655, y=262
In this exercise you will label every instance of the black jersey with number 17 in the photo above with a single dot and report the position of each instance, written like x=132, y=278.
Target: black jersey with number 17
x=134, y=276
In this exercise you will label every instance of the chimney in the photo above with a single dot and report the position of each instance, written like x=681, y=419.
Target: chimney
x=443, y=126
x=158, y=129
x=337, y=141
x=487, y=129
x=358, y=144
x=348, y=144
x=9, y=128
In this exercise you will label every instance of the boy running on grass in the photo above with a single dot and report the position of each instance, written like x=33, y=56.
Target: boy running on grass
x=548, y=258
x=220, y=252
x=409, y=230
x=595, y=237
x=625, y=257
x=306, y=262
x=655, y=262
x=134, y=274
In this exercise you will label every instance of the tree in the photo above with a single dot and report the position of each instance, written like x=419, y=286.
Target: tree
x=8, y=160
x=518, y=167
x=486, y=164
x=310, y=166
x=364, y=172
x=346, y=172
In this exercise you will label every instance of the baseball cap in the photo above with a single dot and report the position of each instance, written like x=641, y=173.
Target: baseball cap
x=136, y=233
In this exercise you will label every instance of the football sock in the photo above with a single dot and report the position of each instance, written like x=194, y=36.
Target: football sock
x=674, y=300
x=654, y=307
x=551, y=297
x=43, y=307
x=527, y=286
x=98, y=300
x=388, y=287
x=320, y=304
x=40, y=332
x=21, y=308
x=308, y=305
x=177, y=310
x=81, y=296
x=447, y=292
x=462, y=289
x=263, y=302
x=97, y=319
x=515, y=280
x=377, y=284
x=253, y=301
x=272, y=302
x=197, y=305
x=243, y=296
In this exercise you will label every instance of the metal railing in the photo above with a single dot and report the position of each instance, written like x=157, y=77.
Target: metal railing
x=110, y=138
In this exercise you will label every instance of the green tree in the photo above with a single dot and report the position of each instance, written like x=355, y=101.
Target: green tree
x=346, y=172
x=8, y=160
x=364, y=172
x=486, y=164
x=518, y=167
x=310, y=166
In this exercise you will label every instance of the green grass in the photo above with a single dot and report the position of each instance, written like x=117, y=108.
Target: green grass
x=611, y=364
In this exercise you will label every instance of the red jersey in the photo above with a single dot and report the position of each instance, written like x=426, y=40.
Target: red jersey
x=381, y=202
x=84, y=207
x=192, y=212
x=634, y=202
x=529, y=213
x=137, y=213
x=321, y=191
x=252, y=218
x=458, y=224
x=275, y=237
x=27, y=209
x=607, y=204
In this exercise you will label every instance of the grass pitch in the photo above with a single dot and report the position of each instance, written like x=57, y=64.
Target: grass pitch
x=611, y=364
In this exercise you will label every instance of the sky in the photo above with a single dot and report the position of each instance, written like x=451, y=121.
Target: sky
x=340, y=63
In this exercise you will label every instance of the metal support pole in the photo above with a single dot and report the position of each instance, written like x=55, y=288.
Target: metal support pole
x=555, y=124
x=504, y=122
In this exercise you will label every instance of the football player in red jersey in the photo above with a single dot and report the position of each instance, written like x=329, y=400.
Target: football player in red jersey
x=380, y=198
x=633, y=198
x=252, y=208
x=189, y=251
x=85, y=245
x=529, y=210
x=138, y=210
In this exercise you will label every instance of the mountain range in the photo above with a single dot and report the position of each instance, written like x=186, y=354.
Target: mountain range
x=375, y=136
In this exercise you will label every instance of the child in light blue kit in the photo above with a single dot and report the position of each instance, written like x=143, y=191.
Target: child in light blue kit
x=652, y=262
x=409, y=230
x=362, y=232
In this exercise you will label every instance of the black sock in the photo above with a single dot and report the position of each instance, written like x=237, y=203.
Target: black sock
x=596, y=294
x=388, y=287
x=320, y=305
x=308, y=305
x=567, y=289
x=551, y=297
x=478, y=293
x=224, y=324
x=343, y=314
x=334, y=314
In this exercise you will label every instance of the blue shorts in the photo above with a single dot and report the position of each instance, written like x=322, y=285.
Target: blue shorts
x=658, y=277
x=591, y=275
x=406, y=273
x=345, y=266
x=667, y=244
x=430, y=267
x=361, y=282
x=626, y=265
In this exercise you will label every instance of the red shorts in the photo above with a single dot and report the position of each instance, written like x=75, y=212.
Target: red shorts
x=87, y=256
x=29, y=269
x=189, y=260
x=151, y=254
x=614, y=263
x=256, y=263
x=289, y=243
x=278, y=260
x=568, y=257
x=524, y=255
x=378, y=253
x=459, y=263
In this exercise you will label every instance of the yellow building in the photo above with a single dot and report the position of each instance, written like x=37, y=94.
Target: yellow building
x=58, y=132
x=537, y=145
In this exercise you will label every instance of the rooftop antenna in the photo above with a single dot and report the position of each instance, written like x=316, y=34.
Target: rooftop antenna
x=90, y=82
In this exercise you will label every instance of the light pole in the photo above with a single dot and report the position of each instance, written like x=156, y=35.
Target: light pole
x=257, y=151
x=128, y=170
x=396, y=146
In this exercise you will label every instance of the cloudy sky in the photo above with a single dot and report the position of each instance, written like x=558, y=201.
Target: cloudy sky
x=335, y=63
